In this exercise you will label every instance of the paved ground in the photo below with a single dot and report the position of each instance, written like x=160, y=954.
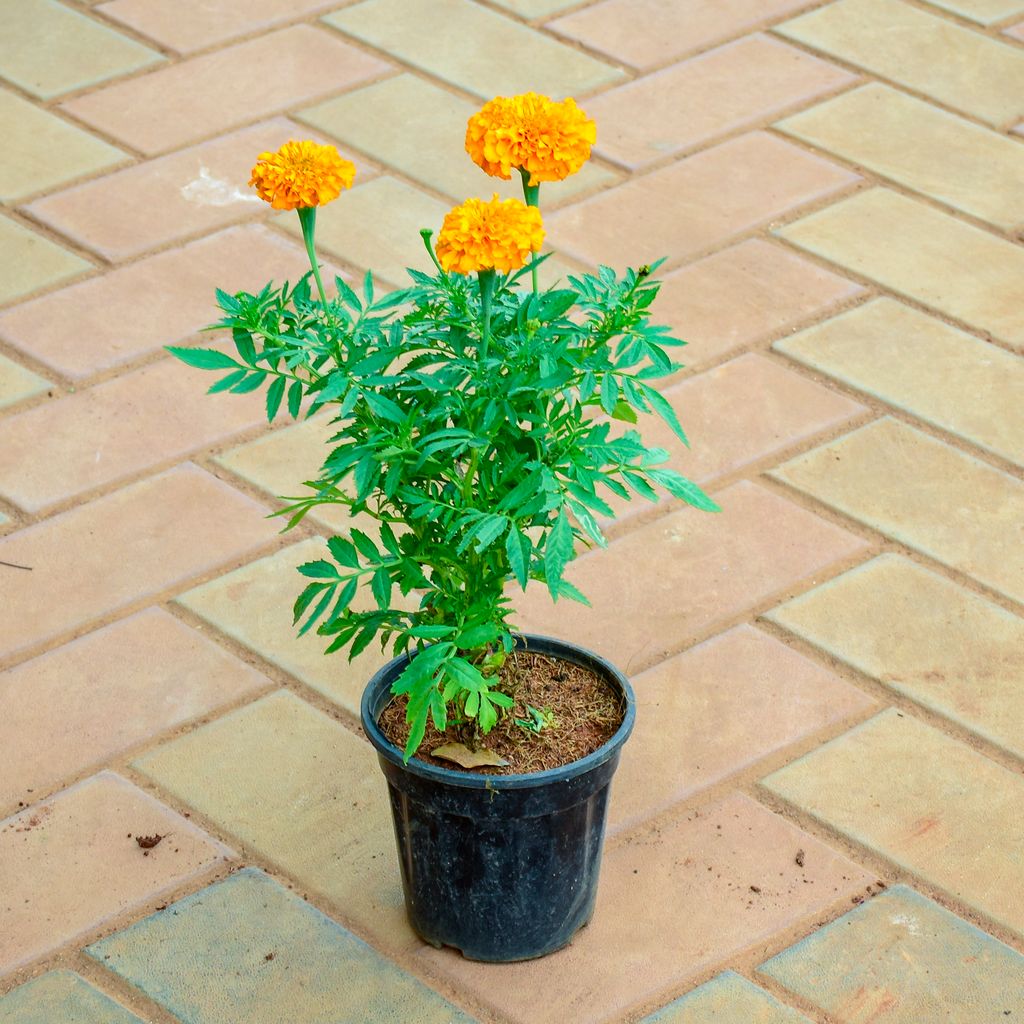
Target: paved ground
x=819, y=817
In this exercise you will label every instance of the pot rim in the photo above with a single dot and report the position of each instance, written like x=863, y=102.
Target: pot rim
x=523, y=780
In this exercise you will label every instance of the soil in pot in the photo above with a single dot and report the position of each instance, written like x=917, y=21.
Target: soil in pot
x=586, y=712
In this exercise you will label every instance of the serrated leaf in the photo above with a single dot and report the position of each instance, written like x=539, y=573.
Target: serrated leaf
x=517, y=547
x=343, y=551
x=609, y=393
x=624, y=411
x=274, y=395
x=228, y=382
x=384, y=407
x=251, y=383
x=381, y=588
x=203, y=358
x=558, y=551
x=319, y=570
x=663, y=408
x=244, y=344
x=679, y=487
x=295, y=399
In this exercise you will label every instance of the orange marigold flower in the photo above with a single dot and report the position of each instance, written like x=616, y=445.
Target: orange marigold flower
x=495, y=235
x=301, y=174
x=549, y=140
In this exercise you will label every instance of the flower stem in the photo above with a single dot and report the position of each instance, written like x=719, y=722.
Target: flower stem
x=307, y=218
x=531, y=193
x=486, y=279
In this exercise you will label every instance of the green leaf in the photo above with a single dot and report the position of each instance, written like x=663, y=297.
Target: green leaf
x=640, y=485
x=609, y=393
x=381, y=587
x=315, y=614
x=274, y=395
x=251, y=383
x=662, y=407
x=554, y=304
x=203, y=358
x=319, y=570
x=477, y=636
x=365, y=546
x=244, y=344
x=558, y=551
x=566, y=589
x=679, y=487
x=624, y=411
x=344, y=552
x=384, y=407
x=228, y=382
x=295, y=399
x=518, y=547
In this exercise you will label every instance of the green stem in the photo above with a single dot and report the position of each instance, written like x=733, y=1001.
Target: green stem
x=486, y=279
x=307, y=218
x=531, y=193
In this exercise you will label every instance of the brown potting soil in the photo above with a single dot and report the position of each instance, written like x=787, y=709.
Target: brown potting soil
x=587, y=712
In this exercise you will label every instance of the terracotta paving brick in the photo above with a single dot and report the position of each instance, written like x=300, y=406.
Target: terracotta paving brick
x=986, y=12
x=684, y=572
x=741, y=295
x=923, y=636
x=645, y=33
x=942, y=375
x=692, y=878
x=62, y=996
x=710, y=95
x=735, y=414
x=17, y=383
x=166, y=299
x=727, y=999
x=198, y=25
x=67, y=866
x=399, y=119
x=47, y=48
x=258, y=77
x=927, y=802
x=716, y=709
x=377, y=227
x=925, y=494
x=904, y=959
x=95, y=437
x=43, y=151
x=505, y=57
x=66, y=710
x=316, y=972
x=304, y=792
x=707, y=199
x=253, y=605
x=105, y=555
x=924, y=52
x=280, y=462
x=919, y=252
x=32, y=262
x=160, y=201
x=921, y=147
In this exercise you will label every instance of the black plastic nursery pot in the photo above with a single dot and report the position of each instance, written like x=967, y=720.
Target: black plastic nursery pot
x=501, y=867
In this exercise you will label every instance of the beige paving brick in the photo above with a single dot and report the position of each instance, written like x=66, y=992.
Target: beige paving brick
x=197, y=24
x=400, y=120
x=165, y=299
x=921, y=147
x=95, y=437
x=713, y=94
x=984, y=11
x=707, y=199
x=925, y=801
x=160, y=201
x=90, y=700
x=504, y=58
x=48, y=48
x=253, y=605
x=67, y=865
x=645, y=33
x=119, y=549
x=942, y=375
x=716, y=709
x=377, y=227
x=919, y=252
x=252, y=79
x=32, y=262
x=535, y=8
x=671, y=904
x=42, y=151
x=280, y=462
x=17, y=383
x=741, y=295
x=660, y=584
x=930, y=54
x=726, y=999
x=1017, y=32
x=925, y=494
x=305, y=793
x=925, y=637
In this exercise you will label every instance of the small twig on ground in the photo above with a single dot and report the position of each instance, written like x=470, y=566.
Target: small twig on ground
x=12, y=565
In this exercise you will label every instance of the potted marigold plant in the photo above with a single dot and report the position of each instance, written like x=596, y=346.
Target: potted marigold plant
x=474, y=419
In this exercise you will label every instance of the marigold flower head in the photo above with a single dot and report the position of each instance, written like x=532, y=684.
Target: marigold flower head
x=496, y=235
x=301, y=174
x=549, y=140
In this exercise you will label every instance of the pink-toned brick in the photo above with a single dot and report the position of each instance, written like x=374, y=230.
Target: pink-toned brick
x=743, y=295
x=660, y=585
x=122, y=549
x=82, y=329
x=646, y=33
x=672, y=903
x=716, y=709
x=55, y=451
x=221, y=90
x=697, y=203
x=687, y=104
x=100, y=695
x=70, y=864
